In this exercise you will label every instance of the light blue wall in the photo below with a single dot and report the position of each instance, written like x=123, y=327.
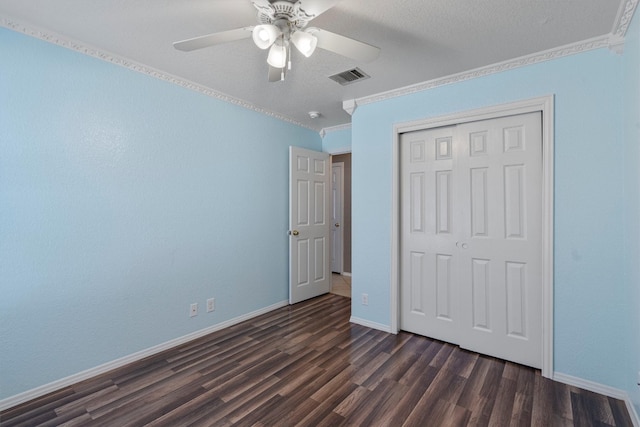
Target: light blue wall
x=595, y=338
x=632, y=183
x=337, y=141
x=123, y=199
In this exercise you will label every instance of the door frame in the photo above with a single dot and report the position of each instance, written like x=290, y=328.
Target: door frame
x=545, y=105
x=337, y=153
x=341, y=227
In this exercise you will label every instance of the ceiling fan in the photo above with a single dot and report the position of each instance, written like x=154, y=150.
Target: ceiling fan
x=282, y=23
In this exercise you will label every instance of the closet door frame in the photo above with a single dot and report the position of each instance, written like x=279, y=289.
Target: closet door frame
x=545, y=105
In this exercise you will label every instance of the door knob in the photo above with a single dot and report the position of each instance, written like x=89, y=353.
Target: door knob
x=337, y=224
x=462, y=245
x=294, y=232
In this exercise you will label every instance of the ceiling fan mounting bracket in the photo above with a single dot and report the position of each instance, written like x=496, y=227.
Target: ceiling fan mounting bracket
x=284, y=10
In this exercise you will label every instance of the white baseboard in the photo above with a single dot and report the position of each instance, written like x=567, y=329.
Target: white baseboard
x=370, y=324
x=632, y=411
x=600, y=389
x=98, y=370
x=89, y=373
x=345, y=273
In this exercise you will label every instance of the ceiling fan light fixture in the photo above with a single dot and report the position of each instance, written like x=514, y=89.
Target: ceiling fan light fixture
x=265, y=35
x=305, y=42
x=278, y=55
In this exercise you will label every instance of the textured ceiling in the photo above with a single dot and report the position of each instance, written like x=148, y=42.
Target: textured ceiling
x=419, y=40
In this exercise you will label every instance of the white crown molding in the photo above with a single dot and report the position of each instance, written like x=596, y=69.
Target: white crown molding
x=547, y=55
x=324, y=131
x=623, y=19
x=614, y=41
x=68, y=43
x=345, y=126
x=350, y=106
x=621, y=25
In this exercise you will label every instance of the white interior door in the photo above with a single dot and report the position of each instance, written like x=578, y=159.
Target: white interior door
x=471, y=245
x=337, y=212
x=309, y=224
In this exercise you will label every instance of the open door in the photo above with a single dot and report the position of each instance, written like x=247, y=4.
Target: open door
x=309, y=224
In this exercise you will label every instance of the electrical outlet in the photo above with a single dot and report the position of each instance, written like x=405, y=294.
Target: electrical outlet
x=211, y=305
x=365, y=299
x=193, y=311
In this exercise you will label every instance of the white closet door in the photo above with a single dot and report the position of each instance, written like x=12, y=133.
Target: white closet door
x=429, y=292
x=500, y=245
x=483, y=209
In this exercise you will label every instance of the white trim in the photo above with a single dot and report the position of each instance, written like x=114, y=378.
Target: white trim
x=372, y=325
x=590, y=385
x=341, y=232
x=394, y=292
x=614, y=40
x=635, y=418
x=345, y=273
x=546, y=106
x=345, y=126
x=600, y=389
x=339, y=151
x=350, y=106
x=80, y=47
x=123, y=361
x=547, y=55
x=548, y=179
x=621, y=25
x=625, y=13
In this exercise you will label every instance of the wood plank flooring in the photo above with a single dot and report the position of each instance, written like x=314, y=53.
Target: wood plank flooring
x=307, y=365
x=341, y=285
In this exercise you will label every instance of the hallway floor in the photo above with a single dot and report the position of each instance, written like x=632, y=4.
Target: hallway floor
x=341, y=285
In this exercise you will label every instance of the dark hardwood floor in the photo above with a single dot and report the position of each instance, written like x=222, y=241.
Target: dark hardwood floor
x=307, y=365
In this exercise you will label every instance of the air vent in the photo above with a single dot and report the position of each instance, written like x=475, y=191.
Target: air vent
x=350, y=76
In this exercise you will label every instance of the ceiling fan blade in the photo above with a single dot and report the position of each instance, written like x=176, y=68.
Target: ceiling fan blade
x=263, y=6
x=275, y=74
x=313, y=8
x=213, y=39
x=345, y=46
